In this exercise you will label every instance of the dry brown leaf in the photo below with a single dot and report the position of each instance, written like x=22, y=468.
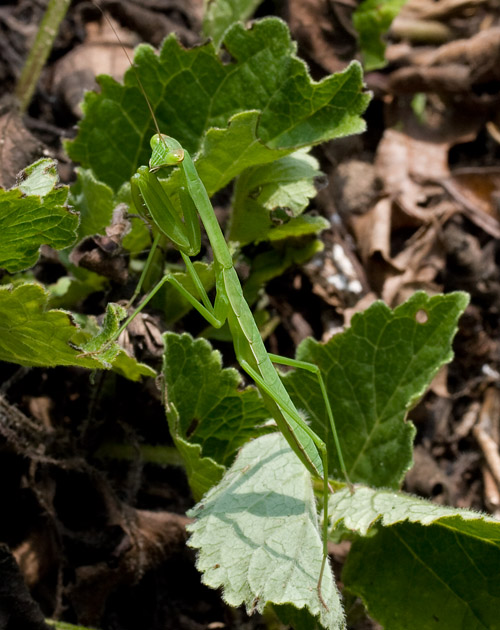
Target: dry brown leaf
x=324, y=31
x=17, y=148
x=478, y=192
x=101, y=53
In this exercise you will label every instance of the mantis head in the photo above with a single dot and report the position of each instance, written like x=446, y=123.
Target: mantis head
x=165, y=152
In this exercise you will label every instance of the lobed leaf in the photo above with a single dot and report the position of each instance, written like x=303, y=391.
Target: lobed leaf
x=34, y=214
x=374, y=373
x=193, y=91
x=257, y=535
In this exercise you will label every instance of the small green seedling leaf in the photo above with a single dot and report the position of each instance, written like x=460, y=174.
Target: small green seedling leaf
x=372, y=19
x=452, y=556
x=221, y=14
x=34, y=214
x=287, y=185
x=101, y=344
x=305, y=225
x=257, y=534
x=375, y=372
x=33, y=335
x=193, y=91
x=206, y=409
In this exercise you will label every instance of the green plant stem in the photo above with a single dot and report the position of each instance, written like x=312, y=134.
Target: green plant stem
x=56, y=10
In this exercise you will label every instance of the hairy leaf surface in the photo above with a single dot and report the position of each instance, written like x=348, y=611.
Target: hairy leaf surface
x=257, y=534
x=452, y=556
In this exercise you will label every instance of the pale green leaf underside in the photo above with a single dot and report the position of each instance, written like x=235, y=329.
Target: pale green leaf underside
x=286, y=183
x=363, y=509
x=374, y=373
x=33, y=335
x=193, y=91
x=32, y=215
x=452, y=556
x=39, y=178
x=257, y=534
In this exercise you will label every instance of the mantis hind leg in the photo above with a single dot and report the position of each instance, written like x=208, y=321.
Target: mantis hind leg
x=314, y=369
x=320, y=445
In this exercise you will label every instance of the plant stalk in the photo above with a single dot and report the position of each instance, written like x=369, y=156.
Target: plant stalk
x=49, y=27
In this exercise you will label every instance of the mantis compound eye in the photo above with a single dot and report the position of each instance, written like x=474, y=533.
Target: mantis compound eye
x=178, y=154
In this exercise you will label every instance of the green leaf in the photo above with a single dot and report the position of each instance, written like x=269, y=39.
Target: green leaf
x=33, y=335
x=305, y=225
x=286, y=184
x=257, y=534
x=192, y=91
x=363, y=509
x=221, y=14
x=452, y=556
x=374, y=373
x=94, y=201
x=372, y=19
x=102, y=344
x=32, y=215
x=130, y=368
x=205, y=406
x=202, y=472
x=39, y=178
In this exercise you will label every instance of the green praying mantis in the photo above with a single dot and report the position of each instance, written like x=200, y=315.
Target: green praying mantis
x=181, y=226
